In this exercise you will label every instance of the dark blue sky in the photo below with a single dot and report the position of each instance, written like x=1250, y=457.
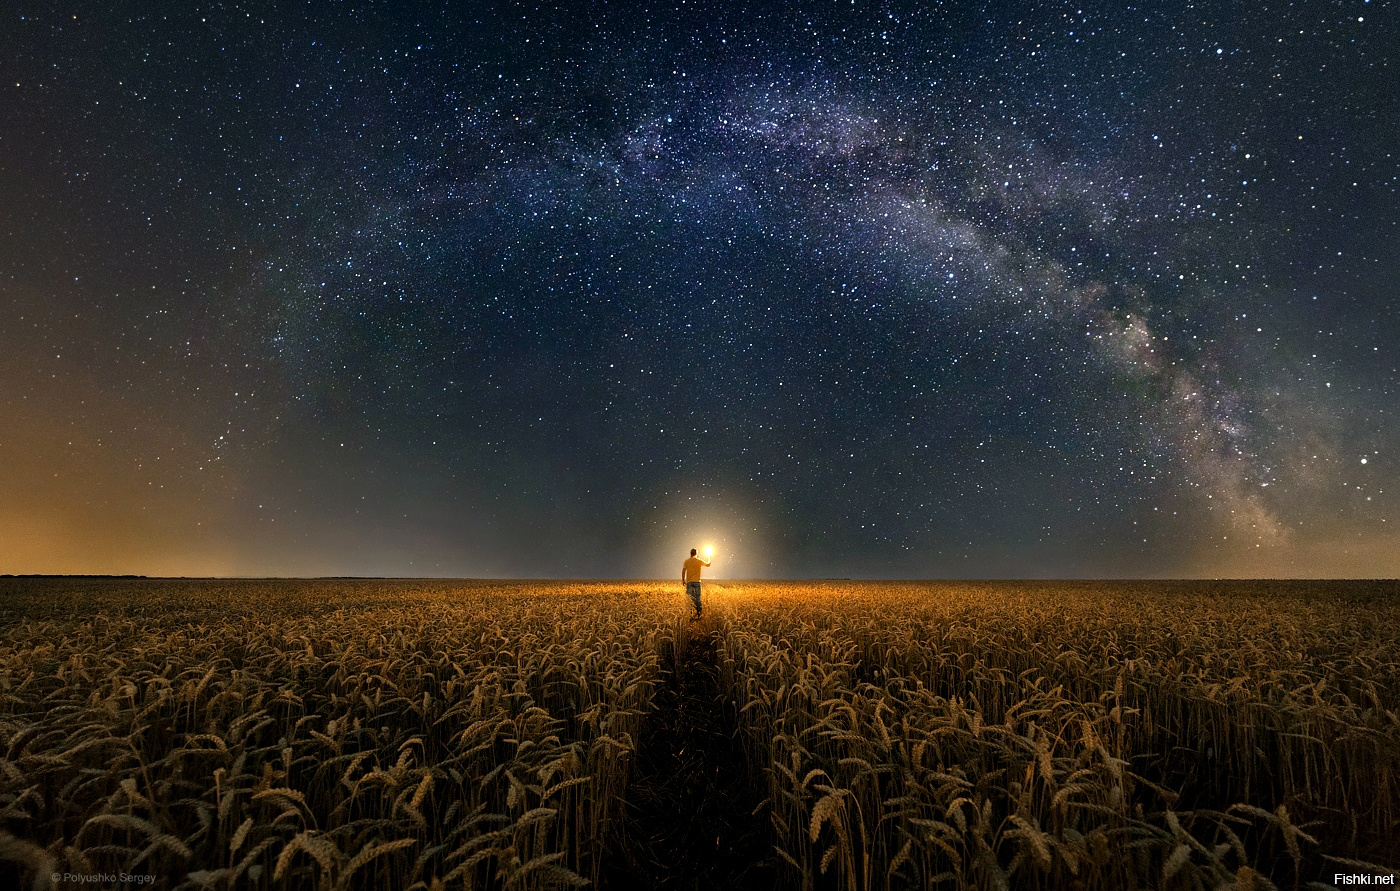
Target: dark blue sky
x=843, y=288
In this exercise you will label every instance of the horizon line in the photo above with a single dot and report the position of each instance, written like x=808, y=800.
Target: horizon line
x=413, y=578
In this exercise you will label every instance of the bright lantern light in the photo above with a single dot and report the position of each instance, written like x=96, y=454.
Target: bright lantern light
x=708, y=551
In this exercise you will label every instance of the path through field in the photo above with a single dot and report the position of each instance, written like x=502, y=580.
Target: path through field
x=690, y=820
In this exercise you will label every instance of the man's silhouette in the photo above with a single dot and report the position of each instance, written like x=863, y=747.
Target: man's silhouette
x=690, y=574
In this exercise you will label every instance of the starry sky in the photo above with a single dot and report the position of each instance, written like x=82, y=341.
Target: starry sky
x=842, y=288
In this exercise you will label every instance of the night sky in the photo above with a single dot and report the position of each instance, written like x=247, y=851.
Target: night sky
x=843, y=288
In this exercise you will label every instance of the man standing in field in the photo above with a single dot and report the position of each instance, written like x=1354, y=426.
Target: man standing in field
x=690, y=574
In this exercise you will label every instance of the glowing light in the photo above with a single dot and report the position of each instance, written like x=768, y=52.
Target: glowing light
x=709, y=551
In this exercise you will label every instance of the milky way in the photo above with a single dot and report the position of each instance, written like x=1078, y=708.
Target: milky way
x=845, y=289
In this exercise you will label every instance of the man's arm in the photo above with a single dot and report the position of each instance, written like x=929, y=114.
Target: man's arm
x=707, y=564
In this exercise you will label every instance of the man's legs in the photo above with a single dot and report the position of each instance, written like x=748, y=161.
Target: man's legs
x=693, y=589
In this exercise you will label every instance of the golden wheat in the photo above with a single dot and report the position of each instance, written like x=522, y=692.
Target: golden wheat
x=1069, y=735
x=352, y=734
x=362, y=734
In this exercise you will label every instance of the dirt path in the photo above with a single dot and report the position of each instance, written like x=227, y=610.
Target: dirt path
x=689, y=821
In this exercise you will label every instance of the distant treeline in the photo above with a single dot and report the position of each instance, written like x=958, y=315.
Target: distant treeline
x=45, y=575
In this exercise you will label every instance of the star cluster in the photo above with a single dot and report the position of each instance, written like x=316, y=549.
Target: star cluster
x=849, y=289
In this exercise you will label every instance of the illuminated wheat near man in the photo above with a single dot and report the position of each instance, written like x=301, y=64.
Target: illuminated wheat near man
x=690, y=575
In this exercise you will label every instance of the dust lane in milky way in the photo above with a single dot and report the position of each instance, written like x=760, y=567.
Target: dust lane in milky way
x=841, y=289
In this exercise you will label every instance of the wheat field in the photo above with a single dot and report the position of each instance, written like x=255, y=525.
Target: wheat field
x=337, y=734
